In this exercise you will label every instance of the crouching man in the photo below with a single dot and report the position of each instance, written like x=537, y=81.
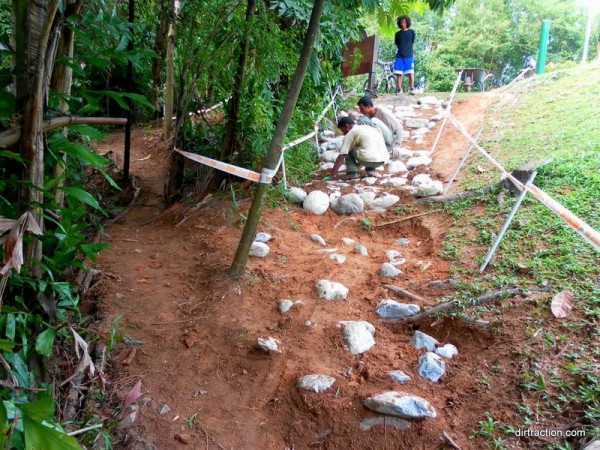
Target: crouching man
x=363, y=145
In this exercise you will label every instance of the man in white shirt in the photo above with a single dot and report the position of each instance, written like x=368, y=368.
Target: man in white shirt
x=363, y=145
x=366, y=107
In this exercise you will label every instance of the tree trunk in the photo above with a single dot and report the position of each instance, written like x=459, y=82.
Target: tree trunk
x=170, y=83
x=228, y=145
x=160, y=47
x=241, y=257
x=34, y=60
x=62, y=77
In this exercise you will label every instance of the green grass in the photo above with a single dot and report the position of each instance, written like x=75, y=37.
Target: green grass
x=553, y=116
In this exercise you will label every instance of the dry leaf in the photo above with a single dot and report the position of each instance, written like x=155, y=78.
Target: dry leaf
x=13, y=243
x=133, y=394
x=562, y=304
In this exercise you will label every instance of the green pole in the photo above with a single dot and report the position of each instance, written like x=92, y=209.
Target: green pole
x=543, y=48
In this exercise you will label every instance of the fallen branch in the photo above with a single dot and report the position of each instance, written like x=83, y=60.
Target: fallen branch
x=495, y=295
x=404, y=293
x=12, y=136
x=353, y=219
x=83, y=430
x=454, y=197
x=406, y=218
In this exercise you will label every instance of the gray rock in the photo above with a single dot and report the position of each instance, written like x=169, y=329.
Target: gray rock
x=263, y=237
x=348, y=204
x=385, y=201
x=370, y=422
x=447, y=351
x=391, y=309
x=426, y=186
x=347, y=241
x=415, y=123
x=285, y=306
x=367, y=197
x=396, y=167
x=406, y=153
x=393, y=256
x=417, y=161
x=259, y=249
x=394, y=182
x=316, y=202
x=269, y=345
x=316, y=382
x=163, y=409
x=369, y=180
x=402, y=242
x=329, y=155
x=323, y=434
x=330, y=290
x=389, y=271
x=340, y=259
x=318, y=239
x=332, y=145
x=594, y=445
x=358, y=335
x=399, y=376
x=326, y=166
x=422, y=340
x=431, y=367
x=327, y=134
x=361, y=249
x=296, y=195
x=400, y=404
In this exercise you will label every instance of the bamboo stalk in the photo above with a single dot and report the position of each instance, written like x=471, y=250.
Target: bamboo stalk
x=404, y=293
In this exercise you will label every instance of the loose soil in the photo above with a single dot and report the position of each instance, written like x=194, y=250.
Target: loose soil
x=165, y=275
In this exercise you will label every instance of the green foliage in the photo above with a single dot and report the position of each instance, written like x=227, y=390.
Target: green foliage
x=547, y=117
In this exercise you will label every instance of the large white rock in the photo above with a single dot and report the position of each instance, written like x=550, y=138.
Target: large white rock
x=431, y=367
x=316, y=202
x=330, y=155
x=447, y=351
x=269, y=345
x=259, y=249
x=415, y=123
x=400, y=404
x=330, y=290
x=391, y=309
x=426, y=186
x=389, y=271
x=326, y=166
x=358, y=335
x=285, y=305
x=417, y=161
x=316, y=382
x=396, y=167
x=327, y=135
x=422, y=340
x=385, y=201
x=367, y=197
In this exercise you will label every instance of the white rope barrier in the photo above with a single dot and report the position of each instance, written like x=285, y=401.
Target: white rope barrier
x=581, y=227
x=448, y=108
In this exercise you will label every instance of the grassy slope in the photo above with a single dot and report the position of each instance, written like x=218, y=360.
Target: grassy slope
x=556, y=116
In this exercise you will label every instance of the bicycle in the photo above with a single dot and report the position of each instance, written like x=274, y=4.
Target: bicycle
x=385, y=81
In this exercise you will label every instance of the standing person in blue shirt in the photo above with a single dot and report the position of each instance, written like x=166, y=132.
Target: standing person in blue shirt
x=404, y=63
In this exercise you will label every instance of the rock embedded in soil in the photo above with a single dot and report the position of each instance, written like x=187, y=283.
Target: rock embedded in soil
x=418, y=161
x=330, y=155
x=318, y=239
x=348, y=204
x=127, y=417
x=316, y=382
x=317, y=202
x=400, y=404
x=340, y=259
x=422, y=340
x=361, y=249
x=394, y=182
x=399, y=376
x=389, y=271
x=259, y=249
x=426, y=187
x=431, y=367
x=447, y=351
x=358, y=335
x=385, y=201
x=347, y=241
x=370, y=422
x=263, y=237
x=164, y=409
x=415, y=123
x=330, y=290
x=184, y=438
x=402, y=242
x=367, y=197
x=296, y=195
x=269, y=345
x=396, y=167
x=391, y=309
x=285, y=306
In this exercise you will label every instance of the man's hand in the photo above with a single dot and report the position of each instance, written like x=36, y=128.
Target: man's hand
x=395, y=153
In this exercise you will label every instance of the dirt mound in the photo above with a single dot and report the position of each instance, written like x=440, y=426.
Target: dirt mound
x=166, y=274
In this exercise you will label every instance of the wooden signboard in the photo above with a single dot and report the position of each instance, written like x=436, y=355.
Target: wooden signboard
x=368, y=49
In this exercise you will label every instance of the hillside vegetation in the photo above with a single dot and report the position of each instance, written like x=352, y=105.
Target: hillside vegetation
x=554, y=117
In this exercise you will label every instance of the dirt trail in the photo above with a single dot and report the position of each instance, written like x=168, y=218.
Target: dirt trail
x=165, y=273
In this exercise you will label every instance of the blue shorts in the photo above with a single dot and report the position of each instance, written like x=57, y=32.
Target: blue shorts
x=404, y=66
